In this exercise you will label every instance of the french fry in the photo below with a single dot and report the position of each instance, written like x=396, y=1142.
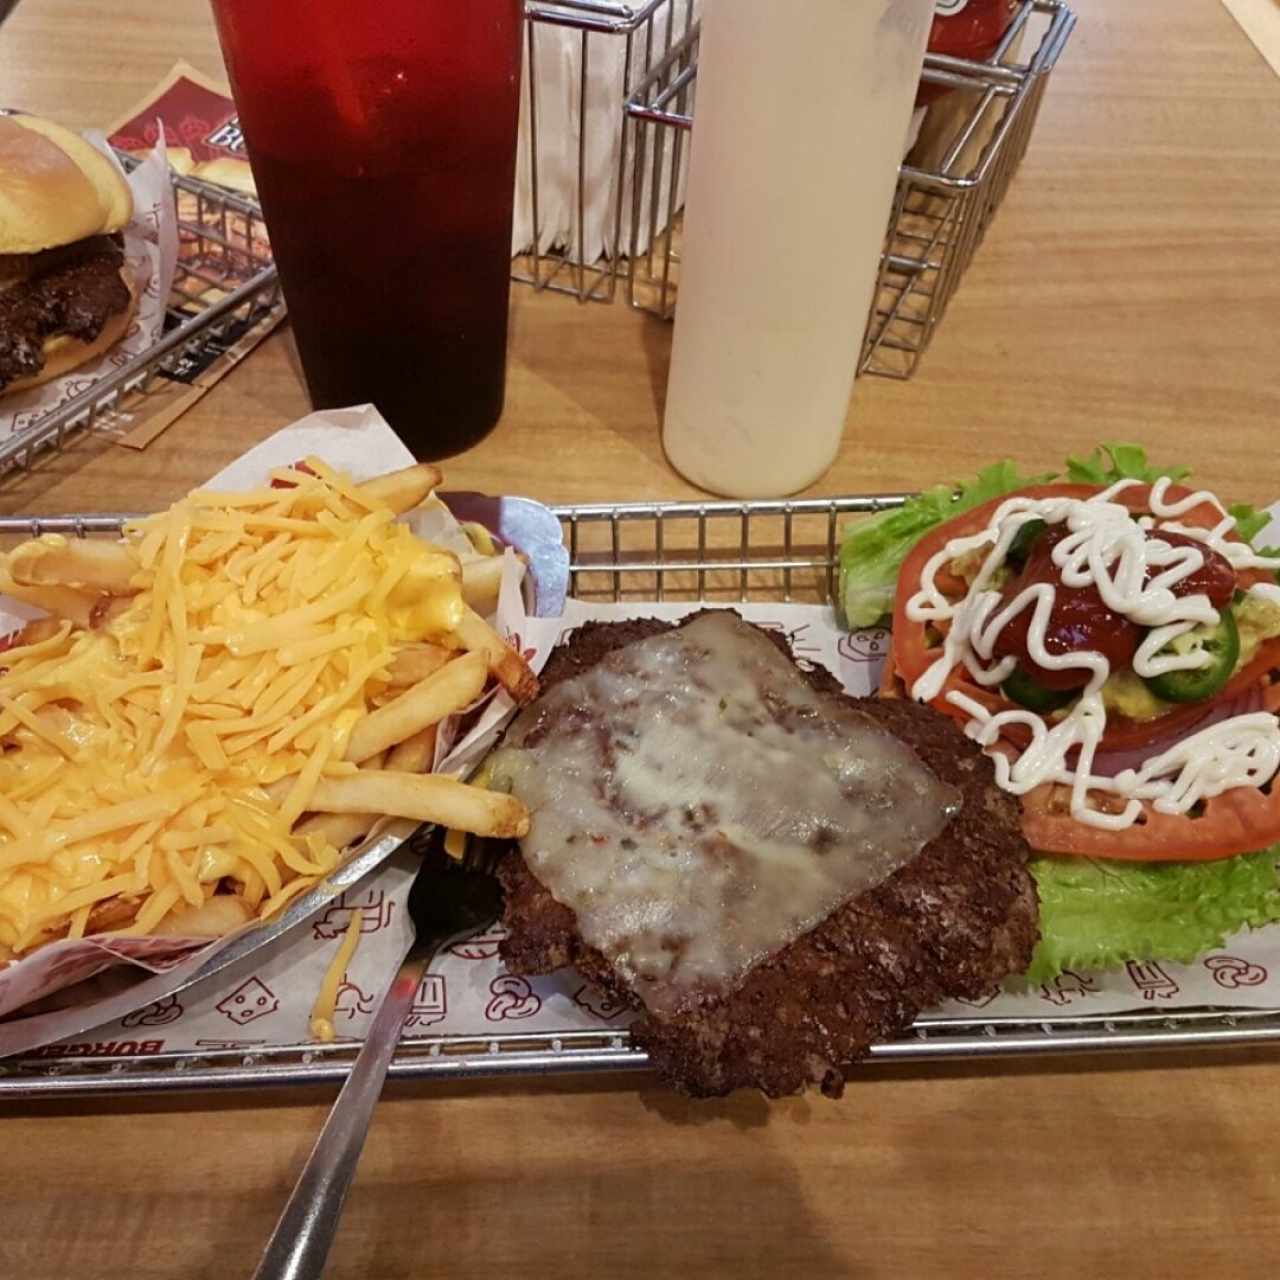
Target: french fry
x=414, y=755
x=481, y=581
x=480, y=538
x=63, y=602
x=515, y=675
x=105, y=608
x=36, y=631
x=112, y=913
x=340, y=829
x=453, y=687
x=219, y=915
x=81, y=563
x=416, y=662
x=403, y=490
x=425, y=798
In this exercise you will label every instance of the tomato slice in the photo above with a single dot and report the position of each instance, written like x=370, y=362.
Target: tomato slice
x=1239, y=821
x=912, y=655
x=1124, y=734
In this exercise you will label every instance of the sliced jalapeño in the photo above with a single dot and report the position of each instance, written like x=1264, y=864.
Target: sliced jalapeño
x=1026, y=537
x=1221, y=641
x=1021, y=688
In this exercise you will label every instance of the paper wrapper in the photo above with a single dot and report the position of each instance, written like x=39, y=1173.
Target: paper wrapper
x=194, y=118
x=354, y=440
x=151, y=253
x=268, y=1002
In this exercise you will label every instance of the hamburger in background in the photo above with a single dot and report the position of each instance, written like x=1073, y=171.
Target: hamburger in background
x=66, y=294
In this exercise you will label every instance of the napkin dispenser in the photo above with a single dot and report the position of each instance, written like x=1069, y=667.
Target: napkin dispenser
x=577, y=188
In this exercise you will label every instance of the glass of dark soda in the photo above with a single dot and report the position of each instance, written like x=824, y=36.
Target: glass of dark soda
x=382, y=138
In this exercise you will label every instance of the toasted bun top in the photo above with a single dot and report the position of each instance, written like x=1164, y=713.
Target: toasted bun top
x=55, y=188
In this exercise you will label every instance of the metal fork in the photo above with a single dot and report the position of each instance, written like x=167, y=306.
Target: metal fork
x=448, y=900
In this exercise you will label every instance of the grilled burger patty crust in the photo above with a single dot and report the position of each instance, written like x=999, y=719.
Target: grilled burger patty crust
x=72, y=290
x=953, y=922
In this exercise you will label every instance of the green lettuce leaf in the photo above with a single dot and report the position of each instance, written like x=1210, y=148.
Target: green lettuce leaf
x=874, y=549
x=1116, y=460
x=1250, y=522
x=1098, y=915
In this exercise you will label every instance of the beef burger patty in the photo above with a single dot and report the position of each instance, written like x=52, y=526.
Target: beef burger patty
x=952, y=920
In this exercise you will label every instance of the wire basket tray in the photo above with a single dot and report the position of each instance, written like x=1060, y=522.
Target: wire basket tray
x=720, y=552
x=225, y=288
x=954, y=179
x=640, y=34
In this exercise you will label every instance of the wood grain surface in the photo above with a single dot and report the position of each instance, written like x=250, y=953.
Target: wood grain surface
x=1129, y=289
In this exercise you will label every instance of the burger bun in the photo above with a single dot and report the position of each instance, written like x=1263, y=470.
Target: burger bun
x=55, y=188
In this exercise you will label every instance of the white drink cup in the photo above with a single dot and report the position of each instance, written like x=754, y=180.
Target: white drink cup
x=802, y=115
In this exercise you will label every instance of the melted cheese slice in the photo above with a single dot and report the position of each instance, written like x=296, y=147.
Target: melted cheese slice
x=698, y=805
x=147, y=762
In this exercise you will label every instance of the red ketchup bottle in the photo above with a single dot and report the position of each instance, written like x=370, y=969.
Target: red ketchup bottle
x=970, y=29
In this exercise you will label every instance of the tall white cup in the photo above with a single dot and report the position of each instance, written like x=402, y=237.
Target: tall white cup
x=802, y=115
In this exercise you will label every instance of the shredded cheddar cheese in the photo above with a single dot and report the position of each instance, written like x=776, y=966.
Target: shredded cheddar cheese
x=165, y=756
x=326, y=1004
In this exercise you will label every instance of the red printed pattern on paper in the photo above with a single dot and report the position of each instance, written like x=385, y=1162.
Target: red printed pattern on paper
x=513, y=999
x=193, y=117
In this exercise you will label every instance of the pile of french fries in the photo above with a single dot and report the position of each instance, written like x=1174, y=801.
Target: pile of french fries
x=222, y=702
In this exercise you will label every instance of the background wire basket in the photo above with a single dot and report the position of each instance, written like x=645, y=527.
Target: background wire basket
x=955, y=177
x=225, y=287
x=609, y=39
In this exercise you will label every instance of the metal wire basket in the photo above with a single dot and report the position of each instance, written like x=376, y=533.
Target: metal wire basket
x=225, y=287
x=718, y=552
x=635, y=34
x=949, y=189
x=956, y=178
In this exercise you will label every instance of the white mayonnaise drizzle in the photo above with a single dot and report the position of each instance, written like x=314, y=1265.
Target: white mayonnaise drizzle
x=1106, y=547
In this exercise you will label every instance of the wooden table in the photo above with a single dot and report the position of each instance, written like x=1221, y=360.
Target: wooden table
x=1128, y=289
